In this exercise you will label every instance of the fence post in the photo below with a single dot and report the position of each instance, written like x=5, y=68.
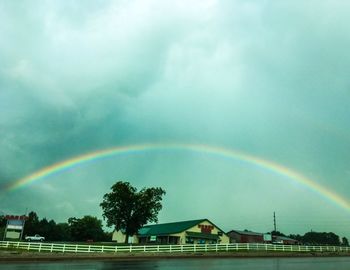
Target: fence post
x=194, y=248
x=40, y=247
x=64, y=248
x=130, y=248
x=116, y=249
x=226, y=247
x=89, y=249
x=102, y=249
x=182, y=248
x=158, y=248
x=76, y=248
x=216, y=247
x=51, y=248
x=28, y=245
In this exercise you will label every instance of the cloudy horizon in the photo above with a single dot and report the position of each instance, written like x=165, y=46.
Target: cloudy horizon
x=266, y=78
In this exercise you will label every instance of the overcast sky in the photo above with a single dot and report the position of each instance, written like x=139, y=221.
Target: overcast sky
x=269, y=78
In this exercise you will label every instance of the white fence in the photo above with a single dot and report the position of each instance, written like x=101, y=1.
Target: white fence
x=53, y=247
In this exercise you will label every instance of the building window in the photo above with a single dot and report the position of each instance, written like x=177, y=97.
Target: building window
x=189, y=240
x=201, y=241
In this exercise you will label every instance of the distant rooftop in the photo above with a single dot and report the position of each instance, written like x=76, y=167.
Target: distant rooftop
x=169, y=228
x=247, y=233
x=285, y=238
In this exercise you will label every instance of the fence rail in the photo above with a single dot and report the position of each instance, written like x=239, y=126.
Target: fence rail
x=71, y=248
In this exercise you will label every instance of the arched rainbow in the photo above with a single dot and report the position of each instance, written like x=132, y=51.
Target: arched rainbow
x=207, y=149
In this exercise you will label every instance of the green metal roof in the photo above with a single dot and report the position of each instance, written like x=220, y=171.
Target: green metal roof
x=168, y=228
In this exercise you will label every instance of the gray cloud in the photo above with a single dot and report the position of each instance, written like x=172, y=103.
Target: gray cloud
x=265, y=77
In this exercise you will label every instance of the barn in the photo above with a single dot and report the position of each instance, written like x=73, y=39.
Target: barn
x=200, y=231
x=245, y=236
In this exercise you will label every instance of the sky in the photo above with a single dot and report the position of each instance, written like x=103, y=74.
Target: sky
x=266, y=78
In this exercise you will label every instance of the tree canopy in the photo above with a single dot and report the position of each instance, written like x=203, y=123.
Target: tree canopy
x=31, y=225
x=321, y=238
x=76, y=229
x=127, y=209
x=86, y=228
x=318, y=238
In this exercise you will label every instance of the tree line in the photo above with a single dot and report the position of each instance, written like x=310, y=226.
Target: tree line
x=320, y=238
x=317, y=238
x=87, y=228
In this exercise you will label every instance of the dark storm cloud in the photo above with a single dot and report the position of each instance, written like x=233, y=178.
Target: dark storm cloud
x=266, y=77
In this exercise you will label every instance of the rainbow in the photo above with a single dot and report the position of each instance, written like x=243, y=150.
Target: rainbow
x=267, y=165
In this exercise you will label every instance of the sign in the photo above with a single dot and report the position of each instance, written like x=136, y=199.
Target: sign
x=13, y=235
x=206, y=228
x=16, y=224
x=267, y=237
x=12, y=217
x=153, y=238
x=14, y=227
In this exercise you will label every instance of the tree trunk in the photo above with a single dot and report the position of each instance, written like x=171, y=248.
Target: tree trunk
x=126, y=238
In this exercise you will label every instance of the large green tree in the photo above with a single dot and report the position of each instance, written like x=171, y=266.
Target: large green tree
x=321, y=238
x=31, y=225
x=62, y=232
x=86, y=228
x=127, y=209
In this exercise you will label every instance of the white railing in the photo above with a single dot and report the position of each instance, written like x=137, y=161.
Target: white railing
x=71, y=248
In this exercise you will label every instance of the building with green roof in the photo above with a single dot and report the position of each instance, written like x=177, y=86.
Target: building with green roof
x=199, y=231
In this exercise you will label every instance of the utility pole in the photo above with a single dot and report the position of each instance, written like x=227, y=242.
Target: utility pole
x=274, y=221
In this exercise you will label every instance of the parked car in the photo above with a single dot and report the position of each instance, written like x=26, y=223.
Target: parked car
x=36, y=237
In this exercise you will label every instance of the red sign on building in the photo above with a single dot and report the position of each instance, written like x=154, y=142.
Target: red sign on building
x=206, y=228
x=12, y=217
